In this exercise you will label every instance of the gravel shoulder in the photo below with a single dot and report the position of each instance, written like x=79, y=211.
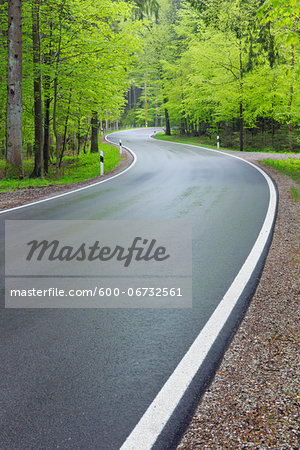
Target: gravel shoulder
x=253, y=401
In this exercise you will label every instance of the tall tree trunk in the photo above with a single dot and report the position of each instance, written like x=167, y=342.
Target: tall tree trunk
x=78, y=135
x=241, y=126
x=14, y=146
x=46, y=150
x=146, y=104
x=134, y=104
x=55, y=89
x=241, y=113
x=66, y=129
x=290, y=101
x=47, y=103
x=85, y=140
x=130, y=98
x=271, y=53
x=168, y=128
x=37, y=93
x=182, y=124
x=94, y=135
x=57, y=136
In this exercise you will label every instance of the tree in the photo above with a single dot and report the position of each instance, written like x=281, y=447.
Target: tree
x=37, y=92
x=76, y=59
x=233, y=73
x=94, y=135
x=14, y=138
x=284, y=15
x=149, y=77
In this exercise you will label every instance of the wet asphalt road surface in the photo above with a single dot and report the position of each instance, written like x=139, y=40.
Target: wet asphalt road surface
x=81, y=379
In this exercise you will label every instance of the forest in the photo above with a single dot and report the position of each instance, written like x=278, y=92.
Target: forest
x=228, y=68
x=73, y=69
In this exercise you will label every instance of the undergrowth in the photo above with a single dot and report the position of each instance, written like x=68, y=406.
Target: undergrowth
x=74, y=169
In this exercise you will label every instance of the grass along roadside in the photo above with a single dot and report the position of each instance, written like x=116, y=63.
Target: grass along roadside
x=295, y=193
x=205, y=141
x=290, y=167
x=194, y=140
x=74, y=169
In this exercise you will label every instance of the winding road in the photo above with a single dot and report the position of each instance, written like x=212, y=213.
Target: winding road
x=84, y=378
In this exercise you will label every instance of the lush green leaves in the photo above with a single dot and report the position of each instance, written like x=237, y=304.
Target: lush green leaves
x=224, y=66
x=87, y=48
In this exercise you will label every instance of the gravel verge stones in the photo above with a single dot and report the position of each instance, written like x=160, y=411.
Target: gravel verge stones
x=253, y=401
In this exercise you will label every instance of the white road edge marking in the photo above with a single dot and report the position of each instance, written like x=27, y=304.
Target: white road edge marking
x=79, y=189
x=152, y=423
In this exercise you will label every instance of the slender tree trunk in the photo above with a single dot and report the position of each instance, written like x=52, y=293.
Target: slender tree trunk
x=14, y=146
x=94, y=135
x=271, y=53
x=291, y=101
x=85, y=140
x=241, y=126
x=66, y=129
x=47, y=103
x=57, y=136
x=78, y=135
x=167, y=119
x=37, y=93
x=182, y=124
x=130, y=98
x=134, y=103
x=241, y=114
x=46, y=150
x=146, y=105
x=55, y=131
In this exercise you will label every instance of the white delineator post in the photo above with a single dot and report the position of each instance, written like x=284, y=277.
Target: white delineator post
x=101, y=163
x=218, y=142
x=120, y=145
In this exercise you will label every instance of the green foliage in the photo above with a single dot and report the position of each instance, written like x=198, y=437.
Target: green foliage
x=221, y=68
x=149, y=75
x=290, y=167
x=12, y=171
x=87, y=48
x=227, y=68
x=295, y=193
x=284, y=15
x=73, y=170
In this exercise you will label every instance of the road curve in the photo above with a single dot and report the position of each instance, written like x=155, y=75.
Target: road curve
x=84, y=378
